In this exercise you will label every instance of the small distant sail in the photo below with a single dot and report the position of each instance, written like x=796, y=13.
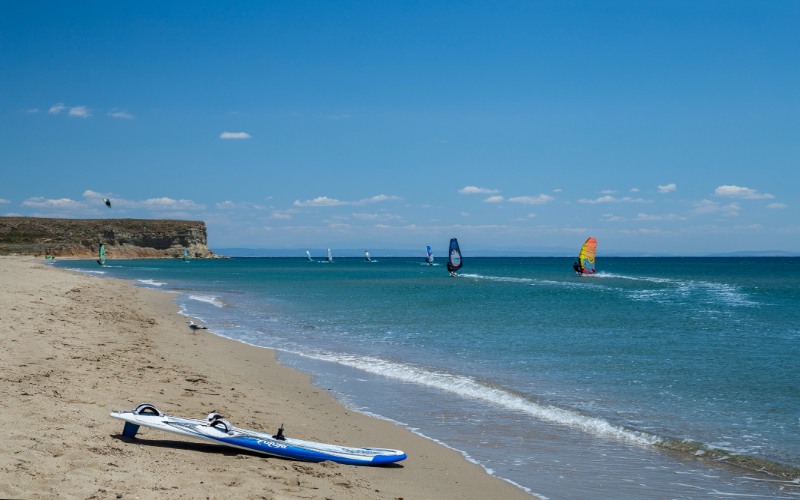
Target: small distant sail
x=366, y=256
x=330, y=256
x=308, y=256
x=101, y=254
x=429, y=256
x=585, y=263
x=454, y=261
x=107, y=202
x=186, y=255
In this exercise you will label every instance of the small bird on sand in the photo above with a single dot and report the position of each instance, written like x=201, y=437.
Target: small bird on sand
x=195, y=326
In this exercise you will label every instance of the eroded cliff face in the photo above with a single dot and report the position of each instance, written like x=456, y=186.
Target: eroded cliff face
x=124, y=238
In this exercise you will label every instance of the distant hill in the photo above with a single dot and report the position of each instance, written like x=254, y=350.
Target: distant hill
x=124, y=238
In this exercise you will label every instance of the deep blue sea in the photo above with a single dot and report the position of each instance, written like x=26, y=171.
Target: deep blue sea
x=567, y=386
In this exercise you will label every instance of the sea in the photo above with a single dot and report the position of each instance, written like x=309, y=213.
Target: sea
x=653, y=378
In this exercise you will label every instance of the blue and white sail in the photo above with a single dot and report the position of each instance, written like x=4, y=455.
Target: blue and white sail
x=330, y=256
x=429, y=256
x=366, y=256
x=454, y=261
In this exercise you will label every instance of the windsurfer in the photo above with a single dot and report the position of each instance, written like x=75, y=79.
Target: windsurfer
x=451, y=270
x=577, y=267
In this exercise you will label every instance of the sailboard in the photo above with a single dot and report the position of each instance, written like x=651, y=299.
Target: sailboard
x=586, y=263
x=101, y=254
x=429, y=256
x=330, y=256
x=308, y=256
x=454, y=261
x=186, y=255
x=107, y=202
x=366, y=256
x=218, y=430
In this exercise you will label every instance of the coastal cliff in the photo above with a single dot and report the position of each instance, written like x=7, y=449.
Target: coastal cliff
x=124, y=238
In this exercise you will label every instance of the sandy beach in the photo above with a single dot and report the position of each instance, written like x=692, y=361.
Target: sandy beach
x=76, y=347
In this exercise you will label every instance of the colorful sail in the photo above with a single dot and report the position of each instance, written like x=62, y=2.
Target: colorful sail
x=107, y=202
x=586, y=263
x=101, y=254
x=429, y=256
x=454, y=261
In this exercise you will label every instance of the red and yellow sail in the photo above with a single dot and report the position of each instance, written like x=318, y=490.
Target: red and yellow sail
x=586, y=257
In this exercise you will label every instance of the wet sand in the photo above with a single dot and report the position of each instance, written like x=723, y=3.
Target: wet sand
x=76, y=347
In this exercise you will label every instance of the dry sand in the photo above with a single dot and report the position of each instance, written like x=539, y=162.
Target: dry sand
x=75, y=347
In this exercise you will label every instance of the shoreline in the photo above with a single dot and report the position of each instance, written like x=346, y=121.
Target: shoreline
x=80, y=346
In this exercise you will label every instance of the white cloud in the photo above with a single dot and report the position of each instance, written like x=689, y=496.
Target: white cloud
x=477, y=190
x=56, y=108
x=60, y=203
x=532, y=200
x=634, y=190
x=611, y=199
x=234, y=135
x=281, y=215
x=4, y=201
x=667, y=188
x=325, y=201
x=320, y=201
x=376, y=217
x=744, y=193
x=704, y=207
x=657, y=217
x=777, y=205
x=378, y=198
x=120, y=114
x=165, y=203
x=494, y=199
x=80, y=112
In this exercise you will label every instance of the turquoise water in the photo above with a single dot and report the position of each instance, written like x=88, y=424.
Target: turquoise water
x=567, y=386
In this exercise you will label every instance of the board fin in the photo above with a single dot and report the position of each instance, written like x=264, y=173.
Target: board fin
x=279, y=436
x=130, y=430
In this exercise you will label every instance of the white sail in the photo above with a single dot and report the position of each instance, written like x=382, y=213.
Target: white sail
x=366, y=256
x=308, y=255
x=330, y=255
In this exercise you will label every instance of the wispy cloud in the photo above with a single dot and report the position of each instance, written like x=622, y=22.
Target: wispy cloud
x=60, y=203
x=495, y=199
x=667, y=188
x=241, y=205
x=76, y=111
x=165, y=203
x=477, y=190
x=114, y=113
x=532, y=200
x=80, y=112
x=745, y=193
x=234, y=135
x=777, y=205
x=705, y=207
x=326, y=201
x=4, y=201
x=658, y=217
x=320, y=201
x=611, y=199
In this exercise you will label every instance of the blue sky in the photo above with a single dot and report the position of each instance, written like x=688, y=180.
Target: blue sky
x=654, y=126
